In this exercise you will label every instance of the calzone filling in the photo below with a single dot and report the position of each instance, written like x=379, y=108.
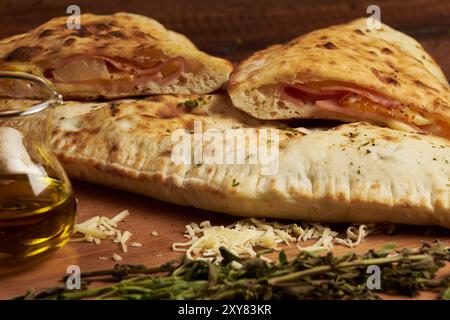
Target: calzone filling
x=103, y=70
x=354, y=102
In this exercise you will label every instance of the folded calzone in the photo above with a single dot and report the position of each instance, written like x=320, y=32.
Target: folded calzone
x=347, y=72
x=112, y=56
x=352, y=173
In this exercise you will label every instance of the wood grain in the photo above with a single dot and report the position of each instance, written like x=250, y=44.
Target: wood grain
x=169, y=220
x=235, y=28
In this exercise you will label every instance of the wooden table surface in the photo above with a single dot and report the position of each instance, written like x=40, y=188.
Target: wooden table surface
x=168, y=220
x=232, y=29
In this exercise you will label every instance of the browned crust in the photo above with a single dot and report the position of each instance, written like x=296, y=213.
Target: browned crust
x=124, y=36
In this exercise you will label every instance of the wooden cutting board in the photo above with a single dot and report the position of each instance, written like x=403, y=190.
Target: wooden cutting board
x=169, y=221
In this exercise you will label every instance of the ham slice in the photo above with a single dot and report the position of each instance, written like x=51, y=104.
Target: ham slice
x=85, y=68
x=322, y=93
x=328, y=97
x=298, y=93
x=292, y=97
x=314, y=91
x=333, y=105
x=365, y=93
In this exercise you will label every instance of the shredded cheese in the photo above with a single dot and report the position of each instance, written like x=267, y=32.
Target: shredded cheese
x=116, y=257
x=123, y=240
x=136, y=244
x=244, y=237
x=99, y=228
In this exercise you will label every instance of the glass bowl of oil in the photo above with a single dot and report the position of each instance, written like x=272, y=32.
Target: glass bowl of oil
x=37, y=204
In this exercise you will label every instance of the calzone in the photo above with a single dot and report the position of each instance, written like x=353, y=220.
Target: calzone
x=355, y=172
x=347, y=72
x=112, y=56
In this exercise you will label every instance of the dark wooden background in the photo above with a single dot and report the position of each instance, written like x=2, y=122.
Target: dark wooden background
x=235, y=28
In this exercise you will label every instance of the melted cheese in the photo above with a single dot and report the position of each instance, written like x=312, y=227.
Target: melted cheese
x=362, y=104
x=101, y=228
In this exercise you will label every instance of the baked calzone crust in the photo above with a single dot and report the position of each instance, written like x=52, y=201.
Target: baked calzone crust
x=112, y=56
x=351, y=173
x=350, y=73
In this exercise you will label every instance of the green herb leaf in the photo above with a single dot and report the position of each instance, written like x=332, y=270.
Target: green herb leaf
x=307, y=276
x=445, y=295
x=193, y=103
x=282, y=257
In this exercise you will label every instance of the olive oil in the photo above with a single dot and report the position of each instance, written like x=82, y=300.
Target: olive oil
x=37, y=214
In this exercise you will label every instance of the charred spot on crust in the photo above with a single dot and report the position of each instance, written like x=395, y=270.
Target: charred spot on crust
x=82, y=32
x=420, y=83
x=357, y=31
x=45, y=33
x=384, y=78
x=113, y=147
x=139, y=34
x=24, y=53
x=387, y=51
x=140, y=107
x=165, y=153
x=423, y=85
x=390, y=80
x=118, y=34
x=100, y=31
x=100, y=26
x=69, y=42
x=328, y=45
x=390, y=138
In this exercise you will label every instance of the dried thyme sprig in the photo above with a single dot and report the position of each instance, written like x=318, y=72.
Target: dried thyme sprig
x=307, y=276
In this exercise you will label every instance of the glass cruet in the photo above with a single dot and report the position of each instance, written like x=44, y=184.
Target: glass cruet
x=37, y=204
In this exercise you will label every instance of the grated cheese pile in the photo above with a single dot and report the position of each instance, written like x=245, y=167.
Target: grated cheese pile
x=244, y=236
x=99, y=228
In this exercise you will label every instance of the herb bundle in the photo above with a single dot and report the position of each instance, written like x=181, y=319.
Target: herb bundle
x=307, y=276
